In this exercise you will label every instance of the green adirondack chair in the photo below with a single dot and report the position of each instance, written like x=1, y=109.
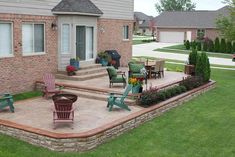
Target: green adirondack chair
x=118, y=100
x=6, y=100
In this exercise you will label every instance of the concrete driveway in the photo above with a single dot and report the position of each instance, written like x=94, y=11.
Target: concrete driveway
x=147, y=50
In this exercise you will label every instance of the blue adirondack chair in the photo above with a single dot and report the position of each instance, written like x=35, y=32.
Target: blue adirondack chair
x=6, y=100
x=118, y=100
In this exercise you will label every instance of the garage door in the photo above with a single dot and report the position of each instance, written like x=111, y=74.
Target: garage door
x=172, y=37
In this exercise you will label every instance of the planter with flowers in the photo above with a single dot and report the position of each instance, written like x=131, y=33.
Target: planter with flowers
x=137, y=84
x=104, y=58
x=75, y=62
x=70, y=70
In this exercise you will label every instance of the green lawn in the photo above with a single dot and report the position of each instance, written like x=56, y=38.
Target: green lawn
x=137, y=42
x=181, y=50
x=203, y=127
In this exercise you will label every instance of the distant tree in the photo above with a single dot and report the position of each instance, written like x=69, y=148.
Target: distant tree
x=234, y=47
x=187, y=45
x=223, y=46
x=194, y=44
x=205, y=46
x=217, y=45
x=211, y=46
x=199, y=46
x=175, y=5
x=226, y=25
x=229, y=47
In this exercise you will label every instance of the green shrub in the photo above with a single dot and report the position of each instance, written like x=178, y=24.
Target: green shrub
x=234, y=47
x=191, y=83
x=229, y=47
x=205, y=46
x=193, y=57
x=194, y=44
x=187, y=45
x=217, y=45
x=223, y=46
x=199, y=46
x=203, y=67
x=210, y=46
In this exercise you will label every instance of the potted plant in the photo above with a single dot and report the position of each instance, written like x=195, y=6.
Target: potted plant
x=137, y=84
x=103, y=58
x=70, y=70
x=75, y=62
x=192, y=60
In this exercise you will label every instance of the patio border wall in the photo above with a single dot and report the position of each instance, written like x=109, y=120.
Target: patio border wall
x=91, y=139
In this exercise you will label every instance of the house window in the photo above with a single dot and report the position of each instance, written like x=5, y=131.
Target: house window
x=201, y=33
x=5, y=39
x=65, y=39
x=126, y=32
x=33, y=37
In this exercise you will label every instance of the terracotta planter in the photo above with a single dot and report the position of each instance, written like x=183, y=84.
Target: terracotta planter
x=189, y=69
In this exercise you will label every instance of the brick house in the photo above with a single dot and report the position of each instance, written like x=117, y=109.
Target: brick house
x=177, y=26
x=37, y=36
x=142, y=23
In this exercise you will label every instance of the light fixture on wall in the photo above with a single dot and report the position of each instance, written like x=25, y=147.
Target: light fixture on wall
x=54, y=26
x=102, y=30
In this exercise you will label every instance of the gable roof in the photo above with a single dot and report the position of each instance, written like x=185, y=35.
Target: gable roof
x=139, y=16
x=190, y=19
x=81, y=7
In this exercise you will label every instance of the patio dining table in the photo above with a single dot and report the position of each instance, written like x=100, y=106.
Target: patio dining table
x=148, y=66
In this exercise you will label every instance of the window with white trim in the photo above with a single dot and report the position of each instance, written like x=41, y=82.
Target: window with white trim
x=5, y=39
x=33, y=38
x=65, y=39
x=126, y=32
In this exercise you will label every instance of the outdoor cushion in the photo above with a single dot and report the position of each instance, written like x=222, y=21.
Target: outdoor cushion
x=135, y=68
x=118, y=79
x=137, y=75
x=112, y=71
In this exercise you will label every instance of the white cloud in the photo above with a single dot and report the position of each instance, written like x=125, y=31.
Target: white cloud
x=148, y=6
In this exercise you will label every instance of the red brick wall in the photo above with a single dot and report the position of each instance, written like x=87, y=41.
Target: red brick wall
x=110, y=36
x=19, y=73
x=210, y=33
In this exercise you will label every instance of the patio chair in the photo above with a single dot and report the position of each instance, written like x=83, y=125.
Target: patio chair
x=6, y=100
x=156, y=69
x=49, y=85
x=116, y=77
x=135, y=71
x=162, y=65
x=118, y=99
x=63, y=111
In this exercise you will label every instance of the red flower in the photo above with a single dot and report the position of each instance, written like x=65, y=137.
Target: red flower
x=70, y=68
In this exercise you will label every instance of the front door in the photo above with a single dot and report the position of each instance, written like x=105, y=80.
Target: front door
x=84, y=43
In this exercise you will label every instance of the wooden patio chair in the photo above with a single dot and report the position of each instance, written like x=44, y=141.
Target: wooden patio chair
x=116, y=77
x=49, y=85
x=63, y=111
x=162, y=65
x=6, y=100
x=156, y=69
x=118, y=99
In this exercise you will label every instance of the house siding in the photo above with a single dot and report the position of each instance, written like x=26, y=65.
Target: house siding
x=19, y=73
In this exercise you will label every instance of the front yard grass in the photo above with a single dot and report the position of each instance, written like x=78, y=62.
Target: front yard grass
x=202, y=127
x=178, y=49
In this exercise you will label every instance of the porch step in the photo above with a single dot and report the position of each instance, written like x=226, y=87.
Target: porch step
x=81, y=77
x=90, y=66
x=95, y=96
x=90, y=71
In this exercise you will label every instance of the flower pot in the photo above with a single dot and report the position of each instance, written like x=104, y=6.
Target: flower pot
x=136, y=89
x=71, y=73
x=75, y=63
x=103, y=62
x=189, y=69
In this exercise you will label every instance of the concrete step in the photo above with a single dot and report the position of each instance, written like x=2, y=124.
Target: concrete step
x=95, y=96
x=81, y=77
x=90, y=71
x=90, y=66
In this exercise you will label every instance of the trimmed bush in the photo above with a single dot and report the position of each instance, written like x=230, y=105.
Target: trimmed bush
x=205, y=46
x=210, y=46
x=199, y=46
x=203, y=67
x=229, y=47
x=234, y=47
x=191, y=83
x=187, y=45
x=193, y=57
x=223, y=46
x=217, y=45
x=194, y=44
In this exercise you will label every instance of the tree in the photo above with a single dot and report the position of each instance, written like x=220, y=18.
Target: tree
x=187, y=45
x=175, y=5
x=226, y=25
x=223, y=46
x=229, y=47
x=234, y=47
x=193, y=57
x=203, y=69
x=199, y=46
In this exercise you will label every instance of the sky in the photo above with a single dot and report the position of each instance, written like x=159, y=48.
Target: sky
x=148, y=7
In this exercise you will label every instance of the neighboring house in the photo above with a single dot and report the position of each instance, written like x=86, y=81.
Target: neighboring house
x=177, y=26
x=142, y=23
x=38, y=37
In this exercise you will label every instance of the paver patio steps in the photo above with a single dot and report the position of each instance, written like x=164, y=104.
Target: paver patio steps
x=95, y=96
x=82, y=77
x=90, y=66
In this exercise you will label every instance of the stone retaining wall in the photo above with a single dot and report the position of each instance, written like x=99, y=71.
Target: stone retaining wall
x=91, y=139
